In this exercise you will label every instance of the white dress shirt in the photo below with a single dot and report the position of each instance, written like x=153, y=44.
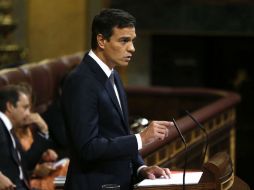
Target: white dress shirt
x=108, y=72
x=8, y=125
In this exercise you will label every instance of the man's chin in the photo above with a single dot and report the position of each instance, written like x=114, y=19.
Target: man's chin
x=125, y=63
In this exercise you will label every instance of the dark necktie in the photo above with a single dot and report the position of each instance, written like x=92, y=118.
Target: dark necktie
x=111, y=78
x=18, y=159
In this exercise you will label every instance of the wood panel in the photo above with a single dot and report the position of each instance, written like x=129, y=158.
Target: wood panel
x=214, y=109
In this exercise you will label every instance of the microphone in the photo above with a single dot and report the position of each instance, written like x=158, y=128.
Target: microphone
x=185, y=153
x=205, y=133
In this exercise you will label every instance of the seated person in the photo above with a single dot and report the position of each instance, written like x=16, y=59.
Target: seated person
x=15, y=104
x=35, y=123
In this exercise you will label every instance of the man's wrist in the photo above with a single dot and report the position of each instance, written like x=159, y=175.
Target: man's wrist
x=140, y=168
x=139, y=141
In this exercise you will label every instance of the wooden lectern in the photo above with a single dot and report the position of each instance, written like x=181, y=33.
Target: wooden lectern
x=219, y=170
x=217, y=175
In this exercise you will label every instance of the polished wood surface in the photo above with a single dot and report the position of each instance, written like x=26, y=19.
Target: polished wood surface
x=217, y=175
x=214, y=109
x=204, y=186
x=239, y=184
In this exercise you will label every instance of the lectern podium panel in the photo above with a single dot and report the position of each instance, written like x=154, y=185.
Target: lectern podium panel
x=239, y=184
x=217, y=175
x=219, y=170
x=201, y=186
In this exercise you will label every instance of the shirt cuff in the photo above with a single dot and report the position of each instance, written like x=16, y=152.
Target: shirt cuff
x=139, y=141
x=141, y=167
x=44, y=135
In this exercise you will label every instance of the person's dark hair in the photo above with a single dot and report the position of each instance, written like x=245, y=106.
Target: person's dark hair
x=10, y=93
x=106, y=20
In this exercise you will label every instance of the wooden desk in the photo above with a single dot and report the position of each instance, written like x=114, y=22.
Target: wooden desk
x=238, y=185
x=47, y=183
x=205, y=186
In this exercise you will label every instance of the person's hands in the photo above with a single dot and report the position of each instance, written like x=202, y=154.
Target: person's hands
x=6, y=183
x=49, y=155
x=44, y=169
x=35, y=118
x=156, y=130
x=152, y=172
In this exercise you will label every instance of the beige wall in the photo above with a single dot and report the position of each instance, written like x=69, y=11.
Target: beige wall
x=56, y=28
x=59, y=27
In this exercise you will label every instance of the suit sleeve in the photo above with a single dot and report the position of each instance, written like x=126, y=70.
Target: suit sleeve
x=81, y=102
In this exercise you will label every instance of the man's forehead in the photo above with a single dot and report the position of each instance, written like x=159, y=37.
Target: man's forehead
x=127, y=31
x=24, y=97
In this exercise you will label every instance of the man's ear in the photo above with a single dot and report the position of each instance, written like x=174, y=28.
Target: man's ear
x=100, y=41
x=9, y=107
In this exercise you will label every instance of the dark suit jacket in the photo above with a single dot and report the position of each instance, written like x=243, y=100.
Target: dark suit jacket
x=9, y=163
x=102, y=149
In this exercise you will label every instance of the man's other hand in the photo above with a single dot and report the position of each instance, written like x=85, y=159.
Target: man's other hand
x=153, y=172
x=156, y=130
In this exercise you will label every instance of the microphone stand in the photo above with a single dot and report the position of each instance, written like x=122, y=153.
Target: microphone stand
x=185, y=153
x=205, y=133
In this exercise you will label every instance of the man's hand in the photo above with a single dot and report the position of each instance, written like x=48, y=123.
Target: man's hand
x=44, y=169
x=49, y=156
x=6, y=183
x=35, y=118
x=156, y=130
x=152, y=172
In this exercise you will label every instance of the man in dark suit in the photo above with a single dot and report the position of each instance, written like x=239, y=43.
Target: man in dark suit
x=95, y=108
x=15, y=112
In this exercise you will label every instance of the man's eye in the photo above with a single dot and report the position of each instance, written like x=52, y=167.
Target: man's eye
x=125, y=40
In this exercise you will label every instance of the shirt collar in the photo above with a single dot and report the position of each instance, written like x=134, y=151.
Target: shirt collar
x=6, y=121
x=102, y=65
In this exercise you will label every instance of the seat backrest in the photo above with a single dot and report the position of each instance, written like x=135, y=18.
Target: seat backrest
x=45, y=77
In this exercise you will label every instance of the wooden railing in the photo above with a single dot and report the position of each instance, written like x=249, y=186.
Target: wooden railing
x=214, y=109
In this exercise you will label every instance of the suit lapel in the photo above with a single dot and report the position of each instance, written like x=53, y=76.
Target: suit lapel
x=123, y=99
x=102, y=77
x=8, y=136
x=113, y=97
x=13, y=151
x=18, y=160
x=122, y=112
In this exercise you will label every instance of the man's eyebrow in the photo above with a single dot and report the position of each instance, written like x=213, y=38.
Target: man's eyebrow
x=124, y=38
x=127, y=37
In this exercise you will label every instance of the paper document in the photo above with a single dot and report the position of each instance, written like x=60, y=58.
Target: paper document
x=61, y=162
x=191, y=177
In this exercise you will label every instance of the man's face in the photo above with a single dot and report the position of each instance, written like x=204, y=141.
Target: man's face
x=119, y=49
x=18, y=114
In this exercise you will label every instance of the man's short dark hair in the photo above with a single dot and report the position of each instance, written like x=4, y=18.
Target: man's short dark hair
x=106, y=20
x=10, y=93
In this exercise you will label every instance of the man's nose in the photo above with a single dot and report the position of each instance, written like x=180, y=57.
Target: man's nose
x=28, y=112
x=131, y=48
